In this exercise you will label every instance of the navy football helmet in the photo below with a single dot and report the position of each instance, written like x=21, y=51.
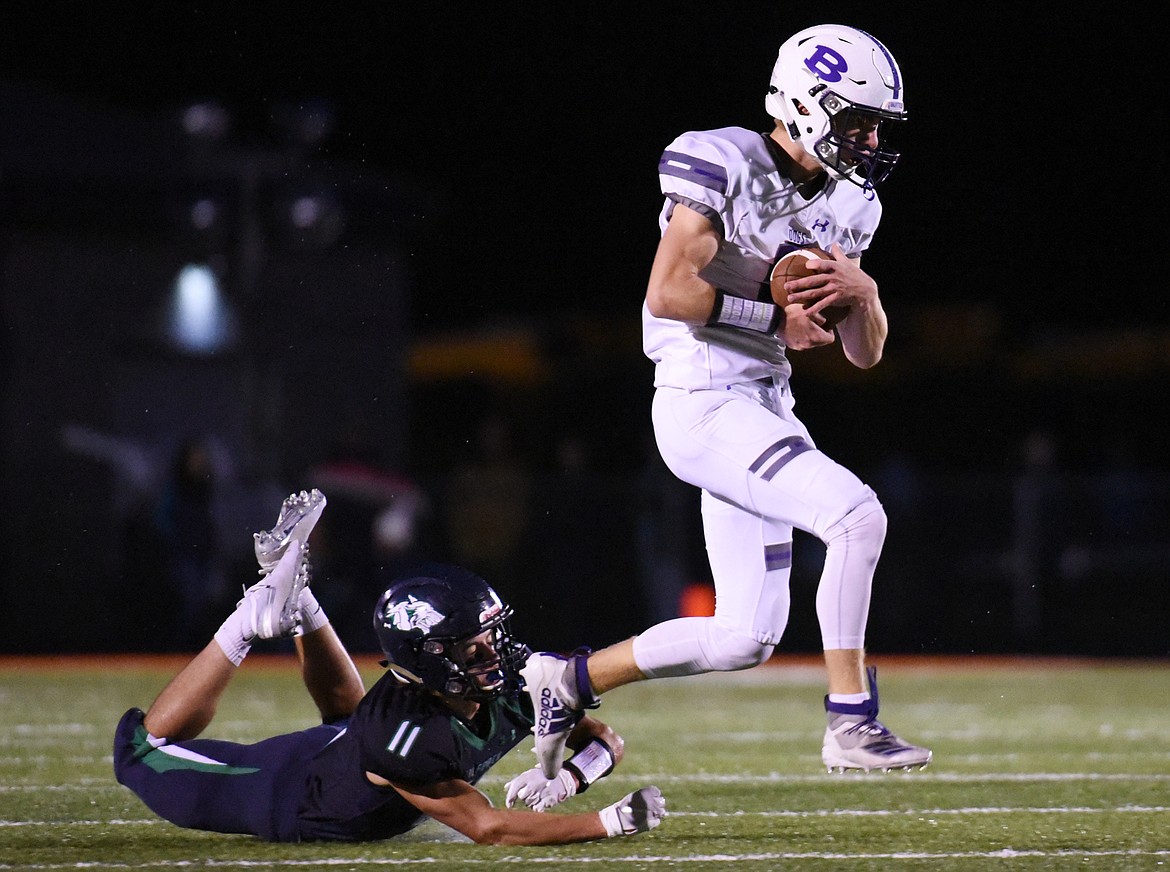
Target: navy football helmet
x=446, y=629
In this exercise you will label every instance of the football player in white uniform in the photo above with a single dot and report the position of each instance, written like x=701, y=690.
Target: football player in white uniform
x=736, y=201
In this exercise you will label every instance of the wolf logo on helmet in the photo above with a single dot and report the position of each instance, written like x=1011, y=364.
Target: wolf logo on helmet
x=412, y=614
x=446, y=629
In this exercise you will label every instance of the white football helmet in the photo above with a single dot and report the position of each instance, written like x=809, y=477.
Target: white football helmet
x=824, y=79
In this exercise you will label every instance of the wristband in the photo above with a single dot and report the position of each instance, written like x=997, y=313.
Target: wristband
x=733, y=311
x=591, y=763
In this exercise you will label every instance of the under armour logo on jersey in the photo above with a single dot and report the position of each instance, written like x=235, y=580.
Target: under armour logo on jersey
x=414, y=614
x=821, y=224
x=826, y=64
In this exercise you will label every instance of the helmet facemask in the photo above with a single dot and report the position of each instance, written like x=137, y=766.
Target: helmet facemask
x=842, y=148
x=481, y=666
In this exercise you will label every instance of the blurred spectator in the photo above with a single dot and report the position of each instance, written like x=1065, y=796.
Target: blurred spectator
x=169, y=512
x=377, y=524
x=186, y=523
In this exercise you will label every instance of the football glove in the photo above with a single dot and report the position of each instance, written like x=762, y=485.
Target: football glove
x=635, y=812
x=540, y=793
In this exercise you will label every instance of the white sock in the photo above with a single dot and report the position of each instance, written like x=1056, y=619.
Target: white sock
x=849, y=698
x=313, y=617
x=234, y=637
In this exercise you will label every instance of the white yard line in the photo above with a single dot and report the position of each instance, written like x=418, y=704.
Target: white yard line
x=785, y=813
x=772, y=778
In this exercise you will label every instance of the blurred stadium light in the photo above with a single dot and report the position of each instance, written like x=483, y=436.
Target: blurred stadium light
x=208, y=121
x=199, y=319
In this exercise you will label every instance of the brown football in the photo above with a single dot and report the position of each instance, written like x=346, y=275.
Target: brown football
x=794, y=265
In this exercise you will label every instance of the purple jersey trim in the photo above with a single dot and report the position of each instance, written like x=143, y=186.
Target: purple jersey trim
x=693, y=169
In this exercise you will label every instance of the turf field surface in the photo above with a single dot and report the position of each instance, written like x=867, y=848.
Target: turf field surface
x=1039, y=764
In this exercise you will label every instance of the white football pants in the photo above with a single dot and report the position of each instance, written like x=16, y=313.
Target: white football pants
x=761, y=476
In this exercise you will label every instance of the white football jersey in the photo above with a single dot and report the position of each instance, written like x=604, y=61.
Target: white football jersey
x=731, y=177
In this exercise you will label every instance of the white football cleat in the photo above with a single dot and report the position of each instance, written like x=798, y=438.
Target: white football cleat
x=273, y=603
x=551, y=681
x=869, y=745
x=298, y=516
x=856, y=739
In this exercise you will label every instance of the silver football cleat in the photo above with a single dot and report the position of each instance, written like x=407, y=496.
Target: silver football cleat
x=273, y=603
x=298, y=516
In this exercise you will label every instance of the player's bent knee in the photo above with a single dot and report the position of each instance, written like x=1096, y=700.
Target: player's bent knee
x=731, y=651
x=863, y=527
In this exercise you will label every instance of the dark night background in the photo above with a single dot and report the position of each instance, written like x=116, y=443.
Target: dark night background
x=455, y=329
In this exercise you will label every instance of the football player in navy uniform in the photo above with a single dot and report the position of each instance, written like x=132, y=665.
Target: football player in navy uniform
x=736, y=201
x=449, y=707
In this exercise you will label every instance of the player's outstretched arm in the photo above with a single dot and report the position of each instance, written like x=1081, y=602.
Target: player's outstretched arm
x=462, y=807
x=598, y=751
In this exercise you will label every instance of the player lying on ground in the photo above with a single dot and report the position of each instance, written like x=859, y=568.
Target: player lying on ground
x=449, y=707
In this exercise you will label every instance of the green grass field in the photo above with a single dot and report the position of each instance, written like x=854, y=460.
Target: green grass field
x=1038, y=765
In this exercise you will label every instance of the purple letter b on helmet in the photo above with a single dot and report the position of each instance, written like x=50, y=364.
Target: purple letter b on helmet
x=826, y=64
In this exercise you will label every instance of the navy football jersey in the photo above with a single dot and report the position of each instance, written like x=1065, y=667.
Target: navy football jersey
x=406, y=735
